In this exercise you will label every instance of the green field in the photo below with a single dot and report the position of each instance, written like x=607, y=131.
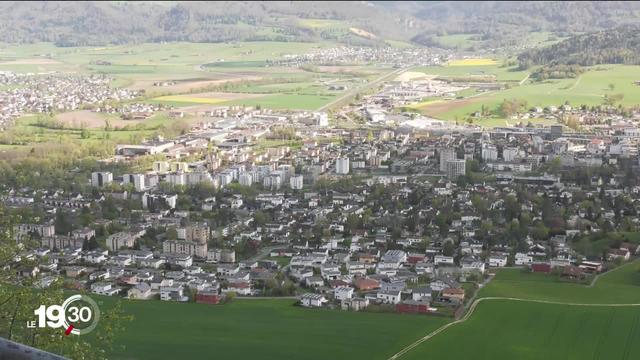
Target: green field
x=507, y=329
x=265, y=329
x=286, y=101
x=588, y=89
x=29, y=130
x=621, y=285
x=501, y=329
x=498, y=71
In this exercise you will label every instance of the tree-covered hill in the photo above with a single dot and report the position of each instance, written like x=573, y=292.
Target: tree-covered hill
x=506, y=23
x=615, y=46
x=98, y=23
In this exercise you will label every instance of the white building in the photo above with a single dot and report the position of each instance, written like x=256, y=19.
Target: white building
x=498, y=260
x=100, y=179
x=119, y=240
x=343, y=293
x=523, y=259
x=172, y=293
x=185, y=247
x=446, y=154
x=104, y=288
x=321, y=118
x=137, y=180
x=161, y=167
x=177, y=179
x=489, y=152
x=245, y=179
x=389, y=297
x=296, y=182
x=342, y=166
x=509, y=154
x=312, y=300
x=455, y=168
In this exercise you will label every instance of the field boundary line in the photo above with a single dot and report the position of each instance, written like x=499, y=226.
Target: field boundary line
x=478, y=301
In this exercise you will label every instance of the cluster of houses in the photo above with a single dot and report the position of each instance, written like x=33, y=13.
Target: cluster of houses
x=53, y=92
x=363, y=217
x=381, y=55
x=131, y=111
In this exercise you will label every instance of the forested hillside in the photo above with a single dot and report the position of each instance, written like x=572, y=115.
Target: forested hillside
x=506, y=23
x=616, y=46
x=492, y=24
x=98, y=23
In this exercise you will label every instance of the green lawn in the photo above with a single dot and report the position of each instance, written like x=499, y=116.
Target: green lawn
x=506, y=329
x=265, y=329
x=501, y=329
x=286, y=101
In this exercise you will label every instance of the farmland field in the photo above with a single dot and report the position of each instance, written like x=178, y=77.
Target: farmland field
x=472, y=62
x=530, y=330
x=621, y=285
x=588, y=89
x=268, y=329
x=502, y=329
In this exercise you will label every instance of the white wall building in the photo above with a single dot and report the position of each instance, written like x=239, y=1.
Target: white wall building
x=296, y=182
x=342, y=166
x=100, y=179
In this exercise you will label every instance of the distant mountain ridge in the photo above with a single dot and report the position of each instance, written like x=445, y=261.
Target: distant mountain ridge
x=99, y=23
x=494, y=23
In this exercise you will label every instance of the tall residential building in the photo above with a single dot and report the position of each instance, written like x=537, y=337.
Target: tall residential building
x=198, y=233
x=185, y=247
x=138, y=181
x=245, y=179
x=296, y=182
x=100, y=179
x=509, y=154
x=342, y=166
x=161, y=167
x=489, y=152
x=446, y=154
x=455, y=168
x=272, y=182
x=120, y=240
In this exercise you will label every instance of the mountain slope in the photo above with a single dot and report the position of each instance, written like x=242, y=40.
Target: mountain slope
x=97, y=23
x=615, y=46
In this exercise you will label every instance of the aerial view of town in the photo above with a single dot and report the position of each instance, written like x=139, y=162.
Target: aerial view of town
x=320, y=180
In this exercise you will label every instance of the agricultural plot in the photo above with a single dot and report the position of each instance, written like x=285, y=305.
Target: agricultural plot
x=508, y=329
x=268, y=329
x=502, y=329
x=588, y=89
x=621, y=285
x=472, y=62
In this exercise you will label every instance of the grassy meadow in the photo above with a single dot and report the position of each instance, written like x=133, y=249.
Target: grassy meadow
x=506, y=329
x=501, y=329
x=268, y=329
x=589, y=89
x=621, y=285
